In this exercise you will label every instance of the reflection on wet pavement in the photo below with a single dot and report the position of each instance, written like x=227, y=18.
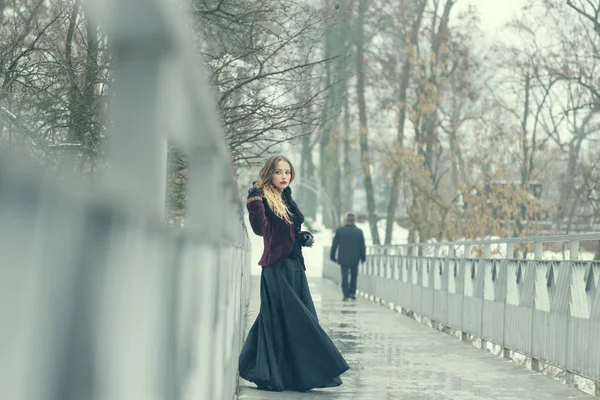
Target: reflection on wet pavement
x=394, y=357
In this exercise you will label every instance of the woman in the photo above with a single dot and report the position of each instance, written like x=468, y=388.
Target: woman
x=286, y=348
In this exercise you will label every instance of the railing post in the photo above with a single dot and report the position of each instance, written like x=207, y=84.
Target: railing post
x=487, y=254
x=538, y=250
x=510, y=253
x=487, y=251
x=538, y=254
x=467, y=252
x=510, y=250
x=137, y=150
x=574, y=250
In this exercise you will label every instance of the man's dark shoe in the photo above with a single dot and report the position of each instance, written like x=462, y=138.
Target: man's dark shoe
x=353, y=297
x=346, y=299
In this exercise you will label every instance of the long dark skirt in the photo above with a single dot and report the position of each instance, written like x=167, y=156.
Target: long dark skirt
x=286, y=348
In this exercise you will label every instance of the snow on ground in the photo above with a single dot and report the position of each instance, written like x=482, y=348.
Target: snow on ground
x=399, y=235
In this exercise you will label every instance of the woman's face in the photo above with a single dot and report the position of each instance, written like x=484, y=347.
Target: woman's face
x=282, y=175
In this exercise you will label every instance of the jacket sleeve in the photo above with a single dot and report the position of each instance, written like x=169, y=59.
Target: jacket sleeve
x=363, y=249
x=256, y=211
x=334, y=247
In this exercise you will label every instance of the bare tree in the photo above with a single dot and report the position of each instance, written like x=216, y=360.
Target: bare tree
x=261, y=51
x=431, y=77
x=55, y=76
x=362, y=112
x=413, y=16
x=589, y=10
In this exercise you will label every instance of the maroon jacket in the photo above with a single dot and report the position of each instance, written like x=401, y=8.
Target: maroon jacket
x=278, y=235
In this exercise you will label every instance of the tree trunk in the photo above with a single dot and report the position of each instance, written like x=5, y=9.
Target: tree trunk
x=346, y=46
x=73, y=89
x=405, y=82
x=88, y=102
x=176, y=191
x=459, y=175
x=308, y=199
x=324, y=165
x=362, y=115
x=329, y=149
x=525, y=173
x=413, y=228
x=568, y=182
x=348, y=178
x=429, y=145
x=337, y=185
x=2, y=7
x=524, y=142
x=430, y=119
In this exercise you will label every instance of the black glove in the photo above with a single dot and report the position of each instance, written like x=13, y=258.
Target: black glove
x=307, y=238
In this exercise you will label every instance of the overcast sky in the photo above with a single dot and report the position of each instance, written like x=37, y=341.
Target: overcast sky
x=493, y=12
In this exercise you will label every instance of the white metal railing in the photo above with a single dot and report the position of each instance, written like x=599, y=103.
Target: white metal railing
x=547, y=310
x=98, y=298
x=496, y=248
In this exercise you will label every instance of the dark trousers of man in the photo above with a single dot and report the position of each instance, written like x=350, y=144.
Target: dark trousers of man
x=349, y=285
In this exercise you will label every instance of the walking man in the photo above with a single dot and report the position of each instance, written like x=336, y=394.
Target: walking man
x=349, y=244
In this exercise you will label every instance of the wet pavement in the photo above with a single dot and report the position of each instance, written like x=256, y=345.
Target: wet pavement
x=392, y=356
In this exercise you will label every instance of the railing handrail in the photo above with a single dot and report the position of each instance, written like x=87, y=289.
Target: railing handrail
x=530, y=239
